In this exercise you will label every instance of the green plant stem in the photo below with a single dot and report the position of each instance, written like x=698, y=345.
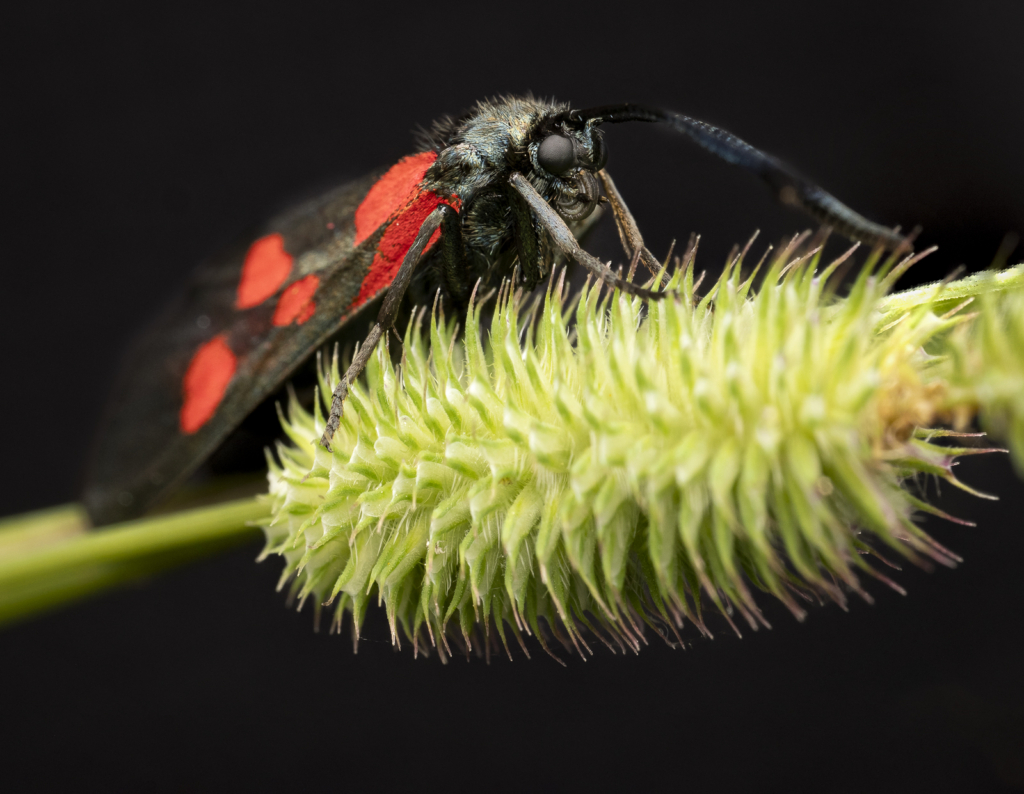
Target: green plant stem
x=973, y=286
x=20, y=534
x=51, y=557
x=44, y=563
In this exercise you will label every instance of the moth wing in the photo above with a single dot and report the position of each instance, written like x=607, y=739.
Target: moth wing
x=218, y=350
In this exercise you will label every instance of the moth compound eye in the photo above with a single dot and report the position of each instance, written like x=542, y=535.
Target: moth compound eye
x=600, y=156
x=557, y=154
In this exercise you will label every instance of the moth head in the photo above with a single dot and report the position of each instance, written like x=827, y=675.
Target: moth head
x=564, y=147
x=568, y=155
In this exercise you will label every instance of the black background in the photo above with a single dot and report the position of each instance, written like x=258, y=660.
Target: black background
x=137, y=140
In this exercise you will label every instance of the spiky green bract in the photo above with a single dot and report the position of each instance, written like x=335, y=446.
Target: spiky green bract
x=987, y=358
x=651, y=463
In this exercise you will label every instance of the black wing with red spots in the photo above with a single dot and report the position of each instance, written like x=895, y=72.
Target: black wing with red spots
x=245, y=322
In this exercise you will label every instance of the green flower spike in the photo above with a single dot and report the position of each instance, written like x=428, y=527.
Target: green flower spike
x=647, y=463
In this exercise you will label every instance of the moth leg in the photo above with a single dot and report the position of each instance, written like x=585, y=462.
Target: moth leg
x=553, y=224
x=629, y=232
x=453, y=255
x=580, y=230
x=385, y=319
x=524, y=231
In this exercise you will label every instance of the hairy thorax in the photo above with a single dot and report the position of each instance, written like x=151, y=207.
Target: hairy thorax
x=476, y=154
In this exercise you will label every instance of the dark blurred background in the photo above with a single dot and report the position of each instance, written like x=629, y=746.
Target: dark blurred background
x=138, y=138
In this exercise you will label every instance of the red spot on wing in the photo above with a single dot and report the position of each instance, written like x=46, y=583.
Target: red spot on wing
x=397, y=240
x=296, y=303
x=391, y=193
x=205, y=382
x=265, y=269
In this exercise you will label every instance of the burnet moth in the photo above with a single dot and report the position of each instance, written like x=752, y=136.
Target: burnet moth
x=496, y=191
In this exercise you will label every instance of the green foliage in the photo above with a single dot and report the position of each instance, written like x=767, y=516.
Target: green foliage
x=584, y=471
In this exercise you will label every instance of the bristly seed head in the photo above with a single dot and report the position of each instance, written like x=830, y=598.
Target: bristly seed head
x=647, y=465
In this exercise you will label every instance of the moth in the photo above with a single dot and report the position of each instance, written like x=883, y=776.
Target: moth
x=500, y=190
